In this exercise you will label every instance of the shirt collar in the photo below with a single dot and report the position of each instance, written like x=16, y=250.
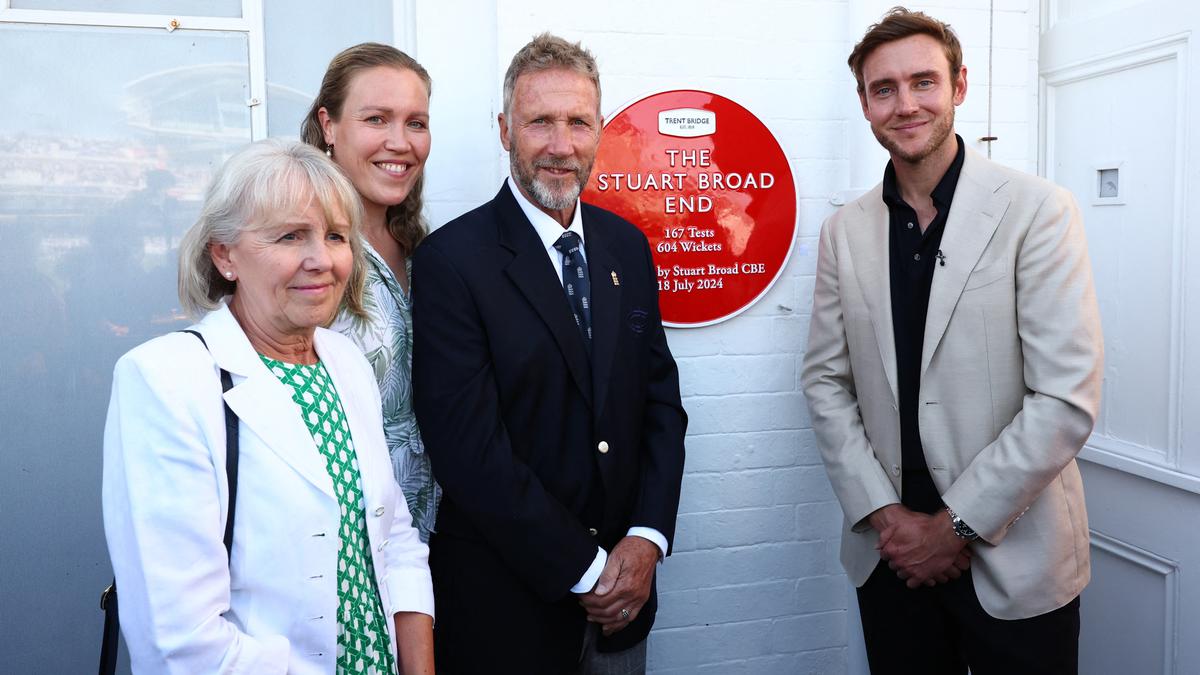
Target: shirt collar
x=548, y=229
x=943, y=192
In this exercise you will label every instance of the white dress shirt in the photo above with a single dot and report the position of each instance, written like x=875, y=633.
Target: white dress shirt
x=549, y=231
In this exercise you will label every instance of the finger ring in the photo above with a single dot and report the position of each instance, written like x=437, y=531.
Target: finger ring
x=624, y=612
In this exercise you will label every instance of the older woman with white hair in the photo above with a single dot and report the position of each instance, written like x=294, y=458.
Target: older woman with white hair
x=324, y=571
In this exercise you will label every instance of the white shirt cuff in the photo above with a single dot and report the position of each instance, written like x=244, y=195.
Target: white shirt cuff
x=653, y=535
x=592, y=575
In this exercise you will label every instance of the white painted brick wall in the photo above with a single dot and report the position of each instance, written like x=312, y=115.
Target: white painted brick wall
x=754, y=586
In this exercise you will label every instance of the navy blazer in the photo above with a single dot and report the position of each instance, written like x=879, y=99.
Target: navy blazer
x=513, y=411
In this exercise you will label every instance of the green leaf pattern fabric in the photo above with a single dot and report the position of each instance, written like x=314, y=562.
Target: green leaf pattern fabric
x=385, y=337
x=363, y=641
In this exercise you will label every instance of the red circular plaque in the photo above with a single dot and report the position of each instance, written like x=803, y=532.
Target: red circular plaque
x=712, y=190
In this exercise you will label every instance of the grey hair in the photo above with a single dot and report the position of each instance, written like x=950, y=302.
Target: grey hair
x=549, y=52
x=259, y=184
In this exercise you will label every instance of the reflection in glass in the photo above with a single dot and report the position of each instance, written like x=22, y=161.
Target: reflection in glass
x=295, y=67
x=108, y=137
x=1109, y=183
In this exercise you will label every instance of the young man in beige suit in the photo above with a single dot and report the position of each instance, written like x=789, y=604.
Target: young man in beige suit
x=953, y=373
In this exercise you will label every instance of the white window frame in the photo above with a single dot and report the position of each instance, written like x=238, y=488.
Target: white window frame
x=404, y=36
x=250, y=23
x=404, y=26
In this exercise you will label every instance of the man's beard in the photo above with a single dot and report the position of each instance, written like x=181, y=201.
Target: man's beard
x=544, y=194
x=943, y=126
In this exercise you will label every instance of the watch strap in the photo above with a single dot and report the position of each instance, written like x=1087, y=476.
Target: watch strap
x=961, y=528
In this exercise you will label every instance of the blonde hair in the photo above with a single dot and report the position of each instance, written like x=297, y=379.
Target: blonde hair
x=404, y=220
x=265, y=180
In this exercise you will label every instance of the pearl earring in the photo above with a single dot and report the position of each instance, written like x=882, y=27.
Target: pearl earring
x=329, y=151
x=229, y=276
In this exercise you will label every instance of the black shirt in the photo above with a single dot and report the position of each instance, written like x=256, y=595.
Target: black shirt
x=914, y=257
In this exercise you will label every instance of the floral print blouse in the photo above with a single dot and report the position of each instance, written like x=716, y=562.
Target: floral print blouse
x=385, y=337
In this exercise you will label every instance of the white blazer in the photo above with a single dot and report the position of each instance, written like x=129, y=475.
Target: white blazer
x=183, y=608
x=1010, y=381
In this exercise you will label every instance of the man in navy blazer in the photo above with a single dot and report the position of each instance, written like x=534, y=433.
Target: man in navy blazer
x=547, y=399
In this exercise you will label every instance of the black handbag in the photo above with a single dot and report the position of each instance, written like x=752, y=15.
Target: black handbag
x=108, y=599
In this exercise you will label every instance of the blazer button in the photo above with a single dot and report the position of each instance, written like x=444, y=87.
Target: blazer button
x=379, y=511
x=895, y=470
x=603, y=447
x=592, y=531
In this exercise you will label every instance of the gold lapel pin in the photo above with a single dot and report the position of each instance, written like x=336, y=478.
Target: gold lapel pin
x=616, y=281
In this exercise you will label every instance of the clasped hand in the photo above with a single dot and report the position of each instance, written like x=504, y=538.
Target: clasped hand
x=922, y=549
x=624, y=584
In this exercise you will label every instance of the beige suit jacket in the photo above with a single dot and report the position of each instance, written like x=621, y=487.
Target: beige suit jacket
x=1010, y=381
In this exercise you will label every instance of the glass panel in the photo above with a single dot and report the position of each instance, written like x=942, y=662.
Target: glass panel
x=108, y=138
x=222, y=8
x=295, y=66
x=1109, y=184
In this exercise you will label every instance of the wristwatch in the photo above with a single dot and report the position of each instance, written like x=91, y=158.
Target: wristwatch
x=961, y=528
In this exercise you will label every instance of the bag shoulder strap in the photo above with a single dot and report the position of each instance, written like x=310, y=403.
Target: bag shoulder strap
x=231, y=452
x=108, y=599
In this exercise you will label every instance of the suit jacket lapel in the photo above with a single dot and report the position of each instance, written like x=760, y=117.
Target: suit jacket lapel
x=535, y=278
x=868, y=238
x=604, y=273
x=974, y=217
x=261, y=401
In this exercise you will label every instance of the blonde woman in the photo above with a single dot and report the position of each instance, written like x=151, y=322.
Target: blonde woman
x=325, y=573
x=371, y=116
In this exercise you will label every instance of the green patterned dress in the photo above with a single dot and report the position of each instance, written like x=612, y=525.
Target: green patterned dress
x=363, y=642
x=385, y=338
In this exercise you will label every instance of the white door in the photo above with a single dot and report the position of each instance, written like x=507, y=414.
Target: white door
x=1119, y=110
